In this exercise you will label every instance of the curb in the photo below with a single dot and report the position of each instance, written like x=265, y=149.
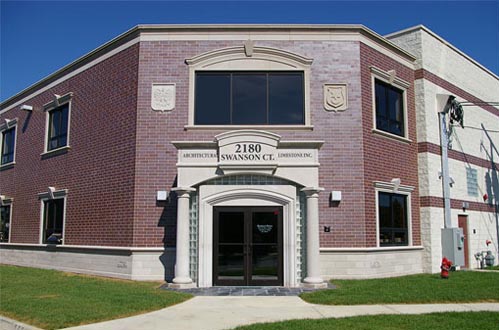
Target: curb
x=10, y=324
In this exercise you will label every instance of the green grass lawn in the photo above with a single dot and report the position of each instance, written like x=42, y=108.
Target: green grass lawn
x=50, y=299
x=415, y=289
x=436, y=321
x=492, y=268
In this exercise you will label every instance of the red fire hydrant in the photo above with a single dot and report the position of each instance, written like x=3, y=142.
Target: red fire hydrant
x=445, y=268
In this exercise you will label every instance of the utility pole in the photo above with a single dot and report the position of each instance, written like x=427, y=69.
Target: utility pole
x=444, y=144
x=452, y=238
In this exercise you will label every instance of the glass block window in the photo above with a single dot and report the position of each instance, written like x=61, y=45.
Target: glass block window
x=301, y=230
x=247, y=180
x=471, y=181
x=193, y=237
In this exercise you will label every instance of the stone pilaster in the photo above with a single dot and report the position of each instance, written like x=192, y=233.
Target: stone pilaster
x=182, y=278
x=313, y=278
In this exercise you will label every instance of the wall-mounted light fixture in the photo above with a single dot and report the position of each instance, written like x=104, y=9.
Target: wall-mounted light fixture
x=26, y=107
x=335, y=196
x=162, y=195
x=466, y=205
x=451, y=180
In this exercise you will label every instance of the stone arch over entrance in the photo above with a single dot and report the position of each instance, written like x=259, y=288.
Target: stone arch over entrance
x=291, y=168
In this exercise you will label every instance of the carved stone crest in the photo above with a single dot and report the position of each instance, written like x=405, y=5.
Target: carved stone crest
x=163, y=97
x=335, y=97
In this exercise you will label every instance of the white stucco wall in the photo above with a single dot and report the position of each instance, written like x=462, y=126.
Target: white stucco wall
x=431, y=184
x=474, y=139
x=481, y=227
x=479, y=138
x=446, y=61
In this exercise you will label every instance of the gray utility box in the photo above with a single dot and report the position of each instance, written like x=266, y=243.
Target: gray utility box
x=453, y=245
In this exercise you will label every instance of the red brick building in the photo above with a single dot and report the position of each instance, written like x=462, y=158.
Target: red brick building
x=245, y=155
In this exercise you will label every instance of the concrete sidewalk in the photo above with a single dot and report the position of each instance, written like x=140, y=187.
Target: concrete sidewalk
x=216, y=313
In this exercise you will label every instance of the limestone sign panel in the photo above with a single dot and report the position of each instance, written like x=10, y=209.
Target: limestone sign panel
x=248, y=149
x=248, y=152
x=198, y=156
x=163, y=97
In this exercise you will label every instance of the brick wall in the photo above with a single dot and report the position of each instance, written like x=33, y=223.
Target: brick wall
x=342, y=156
x=387, y=158
x=98, y=170
x=113, y=170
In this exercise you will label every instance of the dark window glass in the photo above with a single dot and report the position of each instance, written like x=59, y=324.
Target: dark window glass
x=249, y=98
x=212, y=99
x=392, y=219
x=286, y=99
x=4, y=223
x=58, y=127
x=249, y=102
x=231, y=227
x=53, y=220
x=389, y=108
x=8, y=141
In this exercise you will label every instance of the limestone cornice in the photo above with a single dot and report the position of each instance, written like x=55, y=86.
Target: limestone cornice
x=262, y=32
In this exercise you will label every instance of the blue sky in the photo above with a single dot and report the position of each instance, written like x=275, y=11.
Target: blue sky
x=39, y=37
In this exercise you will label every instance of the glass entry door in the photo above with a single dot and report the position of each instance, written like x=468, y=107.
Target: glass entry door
x=247, y=247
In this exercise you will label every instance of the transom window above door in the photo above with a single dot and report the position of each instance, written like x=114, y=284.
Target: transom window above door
x=249, y=98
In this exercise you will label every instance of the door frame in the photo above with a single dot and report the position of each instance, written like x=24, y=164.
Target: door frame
x=248, y=244
x=235, y=195
x=462, y=220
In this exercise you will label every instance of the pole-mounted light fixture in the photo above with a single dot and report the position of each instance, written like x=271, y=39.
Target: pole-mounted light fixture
x=26, y=107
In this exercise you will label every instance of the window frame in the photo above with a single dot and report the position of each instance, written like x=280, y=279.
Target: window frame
x=4, y=128
x=47, y=197
x=242, y=59
x=389, y=78
x=8, y=202
x=402, y=190
x=267, y=75
x=58, y=103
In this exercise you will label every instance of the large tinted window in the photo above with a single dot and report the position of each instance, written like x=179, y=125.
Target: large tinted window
x=389, y=108
x=392, y=219
x=212, y=99
x=4, y=223
x=249, y=98
x=8, y=141
x=53, y=221
x=58, y=127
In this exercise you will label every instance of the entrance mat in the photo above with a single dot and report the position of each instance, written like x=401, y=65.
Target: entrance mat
x=245, y=290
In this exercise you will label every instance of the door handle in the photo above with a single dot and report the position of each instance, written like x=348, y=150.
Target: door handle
x=247, y=249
